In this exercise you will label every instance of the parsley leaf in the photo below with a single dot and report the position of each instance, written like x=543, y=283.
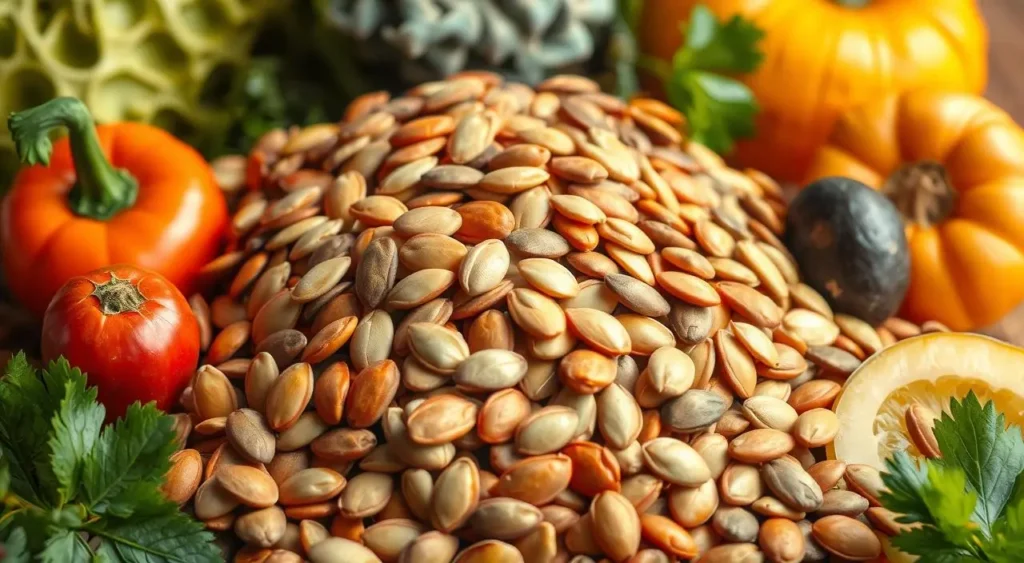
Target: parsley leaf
x=719, y=109
x=969, y=503
x=24, y=430
x=929, y=542
x=65, y=546
x=76, y=425
x=15, y=547
x=976, y=439
x=722, y=47
x=127, y=466
x=904, y=480
x=73, y=481
x=174, y=537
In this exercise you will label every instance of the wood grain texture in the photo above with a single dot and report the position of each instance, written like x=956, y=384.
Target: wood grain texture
x=1005, y=20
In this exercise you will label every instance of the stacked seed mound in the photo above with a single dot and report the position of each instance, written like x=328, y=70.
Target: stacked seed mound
x=480, y=322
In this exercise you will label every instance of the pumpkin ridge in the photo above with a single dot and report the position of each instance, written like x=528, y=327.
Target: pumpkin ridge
x=946, y=257
x=978, y=306
x=950, y=39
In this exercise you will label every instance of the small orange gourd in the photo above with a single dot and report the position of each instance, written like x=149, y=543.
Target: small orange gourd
x=824, y=57
x=954, y=166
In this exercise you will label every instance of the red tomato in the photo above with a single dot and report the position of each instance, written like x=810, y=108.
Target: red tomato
x=130, y=330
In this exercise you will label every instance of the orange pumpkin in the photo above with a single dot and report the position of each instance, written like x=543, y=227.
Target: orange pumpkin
x=954, y=166
x=823, y=57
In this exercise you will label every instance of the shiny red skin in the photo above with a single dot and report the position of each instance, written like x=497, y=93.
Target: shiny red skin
x=147, y=354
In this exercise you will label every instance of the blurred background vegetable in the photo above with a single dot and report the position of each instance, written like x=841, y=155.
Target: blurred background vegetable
x=169, y=62
x=953, y=164
x=823, y=57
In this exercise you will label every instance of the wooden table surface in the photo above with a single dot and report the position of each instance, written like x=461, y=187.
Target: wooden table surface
x=1006, y=88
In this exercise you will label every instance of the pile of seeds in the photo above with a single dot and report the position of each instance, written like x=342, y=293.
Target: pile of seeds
x=485, y=323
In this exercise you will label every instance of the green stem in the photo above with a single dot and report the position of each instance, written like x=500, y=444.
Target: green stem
x=852, y=3
x=101, y=190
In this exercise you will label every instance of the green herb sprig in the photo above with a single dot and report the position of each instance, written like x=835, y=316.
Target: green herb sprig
x=698, y=80
x=967, y=505
x=74, y=490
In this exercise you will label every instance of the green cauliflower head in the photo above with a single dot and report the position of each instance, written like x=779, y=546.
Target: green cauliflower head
x=172, y=63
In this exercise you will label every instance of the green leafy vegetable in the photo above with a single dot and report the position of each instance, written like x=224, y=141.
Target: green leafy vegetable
x=75, y=491
x=968, y=505
x=698, y=80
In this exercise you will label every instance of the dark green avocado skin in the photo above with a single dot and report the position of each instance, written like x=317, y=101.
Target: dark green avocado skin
x=849, y=242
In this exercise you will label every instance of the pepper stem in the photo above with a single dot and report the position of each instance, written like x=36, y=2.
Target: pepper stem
x=101, y=190
x=118, y=296
x=922, y=192
x=852, y=3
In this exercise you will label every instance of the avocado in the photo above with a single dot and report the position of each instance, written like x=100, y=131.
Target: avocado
x=849, y=243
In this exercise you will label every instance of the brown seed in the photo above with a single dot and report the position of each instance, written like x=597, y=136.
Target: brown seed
x=520, y=155
x=599, y=330
x=735, y=524
x=344, y=444
x=546, y=430
x=536, y=480
x=688, y=288
x=586, y=371
x=740, y=484
x=536, y=243
x=760, y=445
x=615, y=525
x=184, y=477
x=483, y=220
x=441, y=419
x=737, y=366
x=261, y=528
x=817, y=393
x=513, y=180
x=676, y=462
x=833, y=359
x=375, y=275
x=549, y=277
x=484, y=267
x=419, y=287
x=842, y=502
x=250, y=486
x=536, y=313
x=781, y=541
x=431, y=250
x=366, y=495
x=637, y=295
x=288, y=397
x=769, y=412
x=505, y=518
x=579, y=169
x=491, y=370
x=370, y=393
x=791, y=484
x=308, y=486
x=491, y=330
x=436, y=347
x=250, y=436
x=501, y=414
x=920, y=421
x=228, y=342
x=431, y=547
x=815, y=428
x=846, y=537
x=455, y=495
x=213, y=501
x=341, y=550
x=578, y=209
x=753, y=305
x=213, y=393
x=626, y=235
